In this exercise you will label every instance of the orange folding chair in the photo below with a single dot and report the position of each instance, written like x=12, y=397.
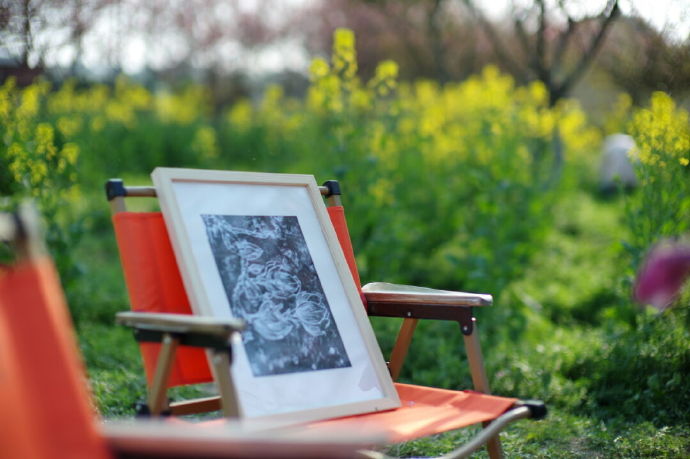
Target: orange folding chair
x=47, y=408
x=154, y=284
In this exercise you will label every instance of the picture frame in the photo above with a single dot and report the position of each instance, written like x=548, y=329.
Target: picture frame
x=261, y=247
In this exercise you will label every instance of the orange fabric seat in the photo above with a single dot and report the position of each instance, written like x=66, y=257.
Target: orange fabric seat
x=426, y=411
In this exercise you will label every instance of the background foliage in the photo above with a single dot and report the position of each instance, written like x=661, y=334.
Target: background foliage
x=480, y=185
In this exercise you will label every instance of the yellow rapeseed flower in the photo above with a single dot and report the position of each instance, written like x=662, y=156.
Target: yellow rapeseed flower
x=44, y=141
x=30, y=99
x=661, y=131
x=318, y=69
x=70, y=152
x=183, y=107
x=344, y=59
x=69, y=125
x=38, y=172
x=97, y=124
x=205, y=143
x=241, y=114
x=385, y=78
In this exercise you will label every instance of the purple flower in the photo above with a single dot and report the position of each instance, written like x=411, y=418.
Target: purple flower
x=662, y=275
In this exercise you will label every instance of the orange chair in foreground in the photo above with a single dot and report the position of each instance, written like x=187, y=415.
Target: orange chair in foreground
x=47, y=411
x=154, y=284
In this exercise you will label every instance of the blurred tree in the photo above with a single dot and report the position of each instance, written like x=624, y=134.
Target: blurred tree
x=640, y=59
x=24, y=23
x=427, y=38
x=451, y=39
x=445, y=39
x=553, y=46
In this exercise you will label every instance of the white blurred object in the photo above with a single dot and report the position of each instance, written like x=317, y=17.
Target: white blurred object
x=618, y=155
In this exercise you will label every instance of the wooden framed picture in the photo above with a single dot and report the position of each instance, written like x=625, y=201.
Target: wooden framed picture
x=260, y=247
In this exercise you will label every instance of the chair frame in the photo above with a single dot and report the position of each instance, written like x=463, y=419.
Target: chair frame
x=144, y=439
x=22, y=229
x=383, y=300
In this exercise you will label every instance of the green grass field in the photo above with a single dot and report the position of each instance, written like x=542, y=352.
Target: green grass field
x=562, y=332
x=478, y=186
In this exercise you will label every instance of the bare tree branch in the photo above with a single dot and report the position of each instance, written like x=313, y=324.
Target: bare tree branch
x=496, y=42
x=522, y=36
x=563, y=42
x=542, y=70
x=28, y=13
x=609, y=15
x=437, y=47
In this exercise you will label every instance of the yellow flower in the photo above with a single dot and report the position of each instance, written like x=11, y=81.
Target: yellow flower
x=97, y=124
x=183, y=107
x=30, y=100
x=382, y=192
x=205, y=143
x=240, y=115
x=344, y=59
x=318, y=69
x=70, y=152
x=18, y=157
x=661, y=131
x=44, y=141
x=385, y=78
x=39, y=171
x=68, y=126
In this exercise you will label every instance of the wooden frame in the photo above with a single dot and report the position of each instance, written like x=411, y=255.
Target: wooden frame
x=309, y=352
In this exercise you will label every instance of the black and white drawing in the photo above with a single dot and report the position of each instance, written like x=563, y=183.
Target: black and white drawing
x=271, y=282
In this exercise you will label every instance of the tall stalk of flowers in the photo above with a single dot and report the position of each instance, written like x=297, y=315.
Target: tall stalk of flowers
x=37, y=163
x=661, y=206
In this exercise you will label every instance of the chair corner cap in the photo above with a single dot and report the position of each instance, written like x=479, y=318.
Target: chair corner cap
x=115, y=188
x=537, y=408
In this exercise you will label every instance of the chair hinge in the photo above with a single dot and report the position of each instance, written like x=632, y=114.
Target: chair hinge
x=467, y=323
x=333, y=188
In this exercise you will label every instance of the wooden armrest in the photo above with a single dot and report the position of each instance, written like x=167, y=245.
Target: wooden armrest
x=383, y=292
x=392, y=300
x=180, y=323
x=257, y=440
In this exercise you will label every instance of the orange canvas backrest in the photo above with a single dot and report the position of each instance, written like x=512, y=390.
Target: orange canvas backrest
x=154, y=283
x=337, y=216
x=17, y=432
x=47, y=378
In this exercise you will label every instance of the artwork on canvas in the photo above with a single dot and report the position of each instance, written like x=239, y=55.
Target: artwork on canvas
x=271, y=282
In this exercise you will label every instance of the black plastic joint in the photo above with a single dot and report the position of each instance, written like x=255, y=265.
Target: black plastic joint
x=115, y=188
x=467, y=322
x=536, y=408
x=333, y=188
x=142, y=410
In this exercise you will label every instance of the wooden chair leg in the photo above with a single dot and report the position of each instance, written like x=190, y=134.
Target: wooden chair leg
x=480, y=380
x=402, y=344
x=199, y=405
x=226, y=386
x=159, y=389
